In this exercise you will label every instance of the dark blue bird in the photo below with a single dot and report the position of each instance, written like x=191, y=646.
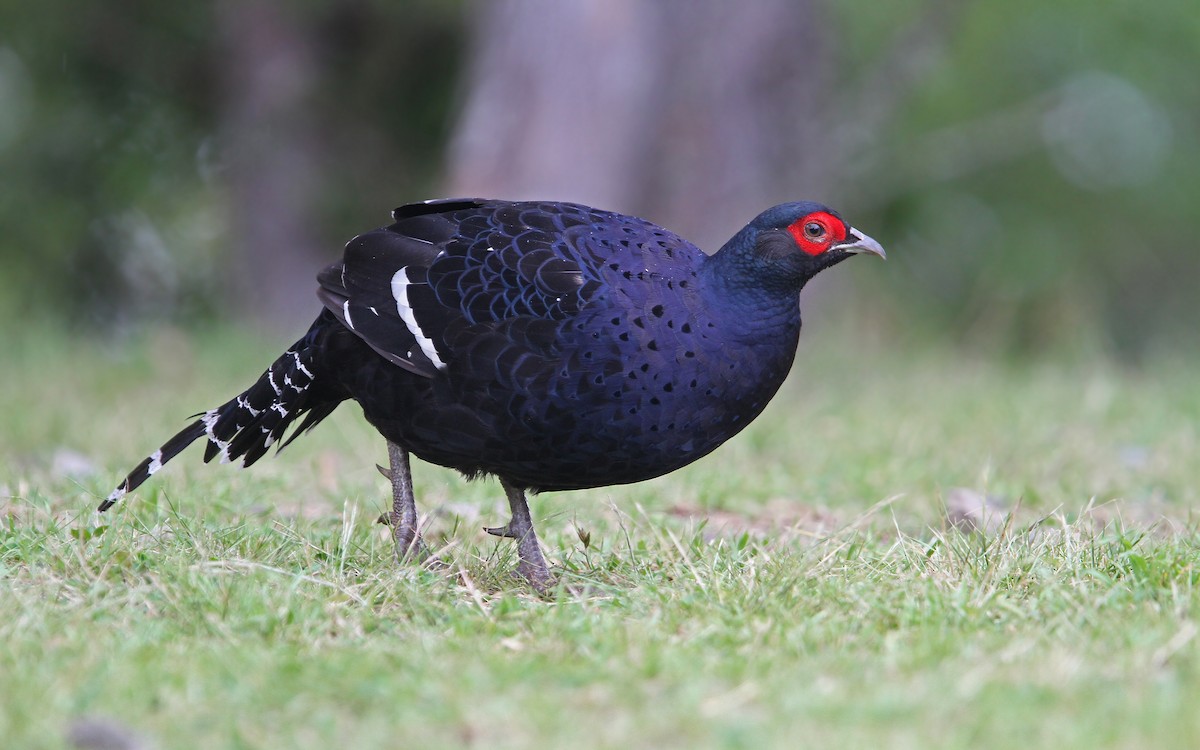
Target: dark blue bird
x=553, y=345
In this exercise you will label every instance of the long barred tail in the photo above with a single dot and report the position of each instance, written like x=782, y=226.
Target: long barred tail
x=246, y=426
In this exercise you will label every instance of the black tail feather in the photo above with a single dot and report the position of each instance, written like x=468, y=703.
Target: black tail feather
x=246, y=426
x=154, y=462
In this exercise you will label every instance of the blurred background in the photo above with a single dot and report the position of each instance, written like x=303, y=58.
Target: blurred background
x=1033, y=168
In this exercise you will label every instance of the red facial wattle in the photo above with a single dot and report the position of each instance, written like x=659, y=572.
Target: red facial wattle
x=833, y=231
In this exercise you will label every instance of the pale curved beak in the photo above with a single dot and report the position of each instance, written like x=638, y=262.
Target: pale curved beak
x=857, y=242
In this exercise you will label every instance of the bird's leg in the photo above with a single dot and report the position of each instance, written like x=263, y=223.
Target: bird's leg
x=404, y=505
x=520, y=527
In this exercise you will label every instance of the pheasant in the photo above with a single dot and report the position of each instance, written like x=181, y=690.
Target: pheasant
x=552, y=345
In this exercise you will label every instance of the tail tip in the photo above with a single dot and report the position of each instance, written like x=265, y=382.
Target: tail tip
x=112, y=499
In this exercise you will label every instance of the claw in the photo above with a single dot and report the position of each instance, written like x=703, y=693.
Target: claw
x=387, y=474
x=503, y=531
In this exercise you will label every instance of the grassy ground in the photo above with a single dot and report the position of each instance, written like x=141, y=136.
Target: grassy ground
x=802, y=587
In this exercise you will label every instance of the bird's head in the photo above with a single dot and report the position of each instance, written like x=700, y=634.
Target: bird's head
x=797, y=240
x=782, y=248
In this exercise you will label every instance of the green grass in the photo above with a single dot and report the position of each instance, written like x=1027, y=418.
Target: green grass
x=799, y=588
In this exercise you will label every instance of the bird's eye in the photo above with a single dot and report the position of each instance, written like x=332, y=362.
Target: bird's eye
x=817, y=231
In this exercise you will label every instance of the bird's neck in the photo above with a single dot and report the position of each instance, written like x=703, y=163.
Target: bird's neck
x=749, y=291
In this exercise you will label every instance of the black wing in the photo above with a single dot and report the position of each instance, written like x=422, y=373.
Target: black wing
x=458, y=277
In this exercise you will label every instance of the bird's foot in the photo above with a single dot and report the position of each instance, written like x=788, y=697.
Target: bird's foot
x=532, y=566
x=540, y=578
x=409, y=544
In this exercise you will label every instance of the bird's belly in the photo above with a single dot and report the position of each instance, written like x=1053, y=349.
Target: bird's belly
x=582, y=426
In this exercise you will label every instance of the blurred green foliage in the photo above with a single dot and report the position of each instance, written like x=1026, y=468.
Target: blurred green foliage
x=92, y=137
x=1036, y=187
x=1040, y=188
x=111, y=150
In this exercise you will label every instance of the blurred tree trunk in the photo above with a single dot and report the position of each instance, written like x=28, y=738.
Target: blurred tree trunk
x=267, y=73
x=696, y=114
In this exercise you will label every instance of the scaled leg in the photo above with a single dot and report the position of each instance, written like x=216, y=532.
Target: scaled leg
x=404, y=506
